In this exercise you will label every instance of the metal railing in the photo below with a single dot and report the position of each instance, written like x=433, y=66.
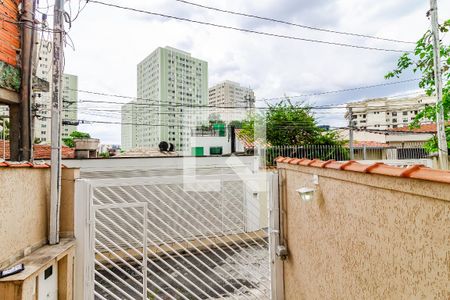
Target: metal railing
x=173, y=238
x=339, y=153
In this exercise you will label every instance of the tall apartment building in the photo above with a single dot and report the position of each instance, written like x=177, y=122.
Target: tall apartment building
x=385, y=113
x=231, y=101
x=128, y=121
x=172, y=97
x=42, y=100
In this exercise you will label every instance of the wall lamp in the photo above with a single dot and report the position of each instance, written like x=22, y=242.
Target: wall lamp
x=307, y=193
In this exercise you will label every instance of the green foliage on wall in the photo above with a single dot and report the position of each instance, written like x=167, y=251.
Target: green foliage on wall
x=9, y=77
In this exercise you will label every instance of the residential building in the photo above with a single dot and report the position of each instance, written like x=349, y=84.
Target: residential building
x=172, y=97
x=386, y=113
x=396, y=137
x=216, y=140
x=231, y=101
x=42, y=100
x=128, y=121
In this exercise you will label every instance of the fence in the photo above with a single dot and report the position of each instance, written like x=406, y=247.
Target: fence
x=171, y=238
x=339, y=153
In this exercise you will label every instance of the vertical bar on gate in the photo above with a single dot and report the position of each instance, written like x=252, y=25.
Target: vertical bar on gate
x=82, y=227
x=276, y=264
x=91, y=245
x=144, y=252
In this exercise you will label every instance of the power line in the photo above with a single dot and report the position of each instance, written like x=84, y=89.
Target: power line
x=179, y=105
x=249, y=30
x=294, y=24
x=265, y=99
x=342, y=90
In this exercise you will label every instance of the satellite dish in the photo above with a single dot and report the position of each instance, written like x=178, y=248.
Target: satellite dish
x=163, y=146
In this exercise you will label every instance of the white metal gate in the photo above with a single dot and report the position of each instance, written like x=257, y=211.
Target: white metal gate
x=172, y=238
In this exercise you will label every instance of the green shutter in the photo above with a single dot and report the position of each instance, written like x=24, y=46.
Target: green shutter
x=215, y=151
x=197, y=151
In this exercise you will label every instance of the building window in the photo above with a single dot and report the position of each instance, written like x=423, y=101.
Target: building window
x=405, y=113
x=394, y=114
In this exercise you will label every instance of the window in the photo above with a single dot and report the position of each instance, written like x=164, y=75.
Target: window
x=394, y=120
x=394, y=114
x=215, y=150
x=405, y=113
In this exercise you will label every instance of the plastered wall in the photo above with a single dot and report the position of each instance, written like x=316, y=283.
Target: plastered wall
x=23, y=210
x=24, y=198
x=365, y=236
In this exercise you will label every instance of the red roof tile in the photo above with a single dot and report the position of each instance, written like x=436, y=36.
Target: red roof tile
x=415, y=171
x=424, y=128
x=39, y=151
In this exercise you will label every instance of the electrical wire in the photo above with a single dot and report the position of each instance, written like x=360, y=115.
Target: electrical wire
x=264, y=99
x=289, y=37
x=293, y=24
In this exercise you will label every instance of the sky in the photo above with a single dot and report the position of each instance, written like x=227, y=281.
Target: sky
x=108, y=43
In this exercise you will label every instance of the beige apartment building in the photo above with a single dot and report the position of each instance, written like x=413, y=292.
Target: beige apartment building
x=386, y=113
x=230, y=101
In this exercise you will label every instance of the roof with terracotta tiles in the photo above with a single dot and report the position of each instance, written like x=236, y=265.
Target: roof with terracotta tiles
x=424, y=128
x=248, y=142
x=39, y=151
x=414, y=171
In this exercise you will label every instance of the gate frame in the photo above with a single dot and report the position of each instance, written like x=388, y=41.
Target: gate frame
x=276, y=264
x=84, y=227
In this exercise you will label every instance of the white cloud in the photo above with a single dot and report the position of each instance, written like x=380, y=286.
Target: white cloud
x=110, y=42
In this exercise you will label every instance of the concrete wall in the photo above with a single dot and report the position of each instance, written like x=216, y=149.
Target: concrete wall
x=24, y=198
x=365, y=236
x=23, y=214
x=210, y=141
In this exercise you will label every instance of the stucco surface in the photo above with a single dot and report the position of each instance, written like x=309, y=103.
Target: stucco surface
x=67, y=201
x=23, y=209
x=365, y=236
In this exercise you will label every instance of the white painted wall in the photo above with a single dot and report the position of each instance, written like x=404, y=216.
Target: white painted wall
x=211, y=141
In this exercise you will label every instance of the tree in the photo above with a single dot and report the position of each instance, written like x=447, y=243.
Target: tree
x=75, y=135
x=4, y=133
x=289, y=124
x=421, y=61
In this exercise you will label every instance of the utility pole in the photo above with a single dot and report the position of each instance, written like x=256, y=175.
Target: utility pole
x=440, y=120
x=55, y=185
x=350, y=132
x=22, y=113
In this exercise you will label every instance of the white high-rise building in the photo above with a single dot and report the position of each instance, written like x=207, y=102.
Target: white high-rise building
x=385, y=113
x=41, y=105
x=172, y=97
x=231, y=101
x=128, y=121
